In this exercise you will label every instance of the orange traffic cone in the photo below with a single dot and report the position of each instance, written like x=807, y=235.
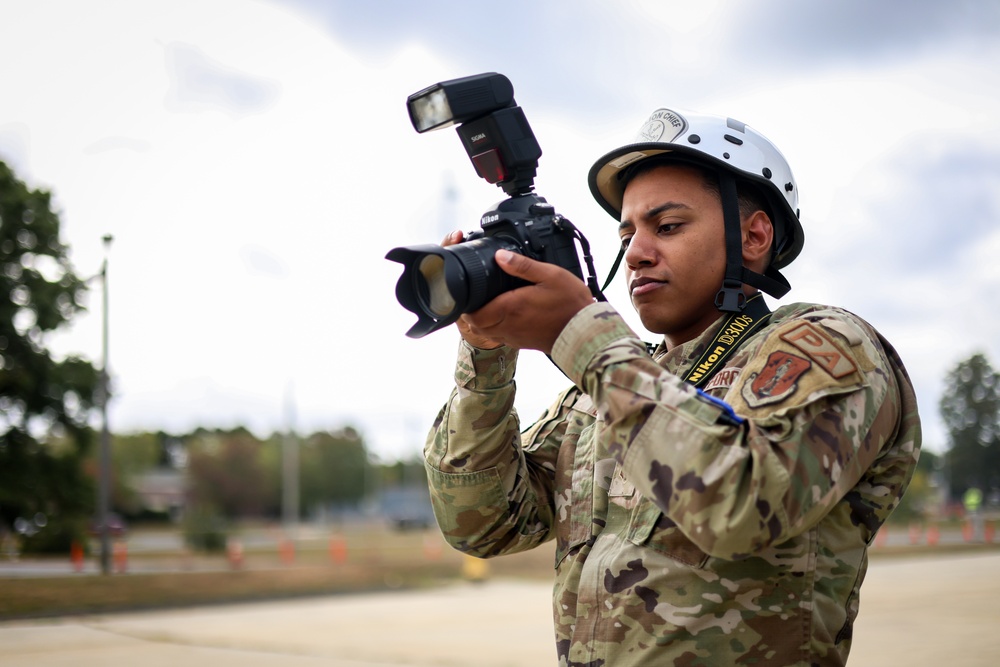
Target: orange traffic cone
x=76, y=556
x=234, y=552
x=338, y=549
x=432, y=547
x=286, y=550
x=120, y=554
x=933, y=534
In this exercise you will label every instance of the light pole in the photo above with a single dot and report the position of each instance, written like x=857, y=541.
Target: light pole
x=290, y=469
x=104, y=478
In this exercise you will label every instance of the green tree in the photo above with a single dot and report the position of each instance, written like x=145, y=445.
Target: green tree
x=225, y=473
x=334, y=468
x=132, y=455
x=45, y=402
x=970, y=408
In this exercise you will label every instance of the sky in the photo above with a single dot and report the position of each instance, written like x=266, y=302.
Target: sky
x=254, y=162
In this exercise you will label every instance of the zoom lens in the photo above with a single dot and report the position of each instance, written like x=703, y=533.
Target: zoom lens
x=439, y=284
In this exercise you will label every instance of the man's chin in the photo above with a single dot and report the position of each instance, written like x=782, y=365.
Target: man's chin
x=654, y=325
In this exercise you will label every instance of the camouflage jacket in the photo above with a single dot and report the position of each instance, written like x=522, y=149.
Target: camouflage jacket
x=689, y=530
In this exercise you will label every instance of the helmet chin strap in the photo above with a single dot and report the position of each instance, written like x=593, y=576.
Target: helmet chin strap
x=730, y=298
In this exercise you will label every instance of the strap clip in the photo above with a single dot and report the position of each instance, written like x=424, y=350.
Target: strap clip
x=731, y=298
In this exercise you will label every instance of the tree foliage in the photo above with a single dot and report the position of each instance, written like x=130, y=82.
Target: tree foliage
x=226, y=474
x=970, y=408
x=44, y=401
x=334, y=468
x=237, y=475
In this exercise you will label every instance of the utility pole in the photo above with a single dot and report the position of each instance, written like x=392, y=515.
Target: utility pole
x=104, y=478
x=290, y=468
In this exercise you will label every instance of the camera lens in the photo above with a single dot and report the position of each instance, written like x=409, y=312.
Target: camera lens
x=439, y=284
x=433, y=289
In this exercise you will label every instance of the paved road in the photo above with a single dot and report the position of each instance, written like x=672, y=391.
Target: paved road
x=914, y=612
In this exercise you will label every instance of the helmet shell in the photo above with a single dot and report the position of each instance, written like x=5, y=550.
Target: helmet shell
x=717, y=143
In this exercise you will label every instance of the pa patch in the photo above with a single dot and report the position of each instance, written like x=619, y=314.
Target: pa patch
x=819, y=347
x=776, y=381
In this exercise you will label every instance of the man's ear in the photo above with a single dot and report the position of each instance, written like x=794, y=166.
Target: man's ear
x=758, y=237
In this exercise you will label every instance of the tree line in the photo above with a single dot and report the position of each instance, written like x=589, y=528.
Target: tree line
x=47, y=459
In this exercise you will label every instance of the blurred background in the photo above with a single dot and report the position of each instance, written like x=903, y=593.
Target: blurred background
x=233, y=172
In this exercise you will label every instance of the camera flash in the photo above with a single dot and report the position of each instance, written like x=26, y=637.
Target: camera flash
x=431, y=110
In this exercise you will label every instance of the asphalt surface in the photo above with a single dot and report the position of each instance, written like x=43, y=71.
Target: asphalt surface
x=916, y=611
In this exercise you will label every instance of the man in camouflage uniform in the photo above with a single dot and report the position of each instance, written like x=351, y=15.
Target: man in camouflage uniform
x=713, y=501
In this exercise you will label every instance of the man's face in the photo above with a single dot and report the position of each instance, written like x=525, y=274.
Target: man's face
x=675, y=256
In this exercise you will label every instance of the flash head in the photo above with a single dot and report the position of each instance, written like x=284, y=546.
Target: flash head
x=459, y=100
x=493, y=129
x=440, y=283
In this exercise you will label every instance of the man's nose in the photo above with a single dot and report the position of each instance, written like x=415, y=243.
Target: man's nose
x=640, y=250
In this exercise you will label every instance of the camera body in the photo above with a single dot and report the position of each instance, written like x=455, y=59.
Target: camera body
x=530, y=226
x=439, y=284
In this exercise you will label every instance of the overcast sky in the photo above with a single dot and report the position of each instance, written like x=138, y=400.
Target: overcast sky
x=254, y=162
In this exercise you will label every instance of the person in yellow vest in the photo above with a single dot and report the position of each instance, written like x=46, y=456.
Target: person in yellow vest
x=973, y=501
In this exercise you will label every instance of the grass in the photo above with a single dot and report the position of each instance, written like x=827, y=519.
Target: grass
x=355, y=560
x=82, y=594
x=362, y=560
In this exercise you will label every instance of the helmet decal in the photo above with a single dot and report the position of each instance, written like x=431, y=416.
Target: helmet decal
x=663, y=125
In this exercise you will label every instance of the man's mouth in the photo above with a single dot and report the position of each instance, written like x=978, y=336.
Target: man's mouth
x=641, y=286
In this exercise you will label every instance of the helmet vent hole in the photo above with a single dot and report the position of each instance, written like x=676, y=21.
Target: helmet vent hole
x=725, y=155
x=694, y=139
x=789, y=187
x=767, y=172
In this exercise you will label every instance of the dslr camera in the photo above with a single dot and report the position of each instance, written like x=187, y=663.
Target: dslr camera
x=440, y=284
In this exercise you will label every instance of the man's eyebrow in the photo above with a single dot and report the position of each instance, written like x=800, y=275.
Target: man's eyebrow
x=655, y=211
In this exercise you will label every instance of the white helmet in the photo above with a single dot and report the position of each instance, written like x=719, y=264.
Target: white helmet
x=723, y=145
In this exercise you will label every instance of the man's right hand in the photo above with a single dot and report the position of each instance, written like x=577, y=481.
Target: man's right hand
x=463, y=325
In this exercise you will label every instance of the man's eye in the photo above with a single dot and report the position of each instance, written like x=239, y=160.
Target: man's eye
x=625, y=240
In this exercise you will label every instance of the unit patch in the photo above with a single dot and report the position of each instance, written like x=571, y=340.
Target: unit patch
x=776, y=381
x=821, y=349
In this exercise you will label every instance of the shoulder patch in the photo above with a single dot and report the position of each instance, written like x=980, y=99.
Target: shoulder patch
x=821, y=349
x=799, y=361
x=776, y=381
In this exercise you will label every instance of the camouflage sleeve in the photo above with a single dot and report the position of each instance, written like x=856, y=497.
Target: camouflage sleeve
x=740, y=475
x=489, y=494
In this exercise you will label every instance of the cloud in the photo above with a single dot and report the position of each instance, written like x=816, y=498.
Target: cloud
x=536, y=44
x=924, y=204
x=15, y=144
x=198, y=82
x=859, y=31
x=117, y=144
x=262, y=261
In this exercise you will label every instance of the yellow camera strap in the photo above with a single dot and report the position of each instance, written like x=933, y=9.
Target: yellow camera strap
x=737, y=328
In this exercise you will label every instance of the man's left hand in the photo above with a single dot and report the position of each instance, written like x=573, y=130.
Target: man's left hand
x=531, y=317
